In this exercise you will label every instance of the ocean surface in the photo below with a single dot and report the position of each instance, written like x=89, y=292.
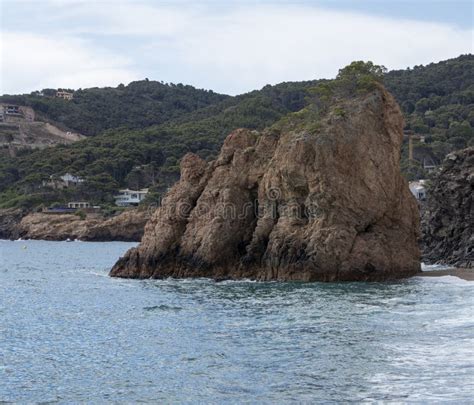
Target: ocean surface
x=69, y=333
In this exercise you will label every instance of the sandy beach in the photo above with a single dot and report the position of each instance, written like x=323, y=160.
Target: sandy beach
x=465, y=274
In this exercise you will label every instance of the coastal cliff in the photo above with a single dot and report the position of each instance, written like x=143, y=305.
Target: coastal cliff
x=318, y=196
x=448, y=217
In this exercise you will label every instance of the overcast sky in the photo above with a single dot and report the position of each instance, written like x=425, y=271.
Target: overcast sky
x=229, y=46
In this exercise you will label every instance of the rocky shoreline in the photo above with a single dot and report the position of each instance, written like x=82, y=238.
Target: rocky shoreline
x=127, y=226
x=445, y=221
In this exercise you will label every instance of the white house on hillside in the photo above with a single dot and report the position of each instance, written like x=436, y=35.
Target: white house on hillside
x=418, y=189
x=126, y=197
x=66, y=95
x=69, y=178
x=64, y=181
x=78, y=204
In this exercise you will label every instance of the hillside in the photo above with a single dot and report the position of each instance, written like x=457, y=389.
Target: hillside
x=20, y=129
x=437, y=101
x=137, y=105
x=147, y=157
x=15, y=136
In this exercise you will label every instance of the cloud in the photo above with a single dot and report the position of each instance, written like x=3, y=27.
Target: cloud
x=250, y=47
x=231, y=48
x=31, y=61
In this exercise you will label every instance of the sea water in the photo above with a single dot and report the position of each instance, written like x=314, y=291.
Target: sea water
x=70, y=333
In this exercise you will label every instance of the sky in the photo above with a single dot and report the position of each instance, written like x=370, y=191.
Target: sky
x=228, y=46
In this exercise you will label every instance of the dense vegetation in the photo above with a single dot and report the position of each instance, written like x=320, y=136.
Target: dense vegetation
x=356, y=79
x=146, y=157
x=138, y=105
x=437, y=100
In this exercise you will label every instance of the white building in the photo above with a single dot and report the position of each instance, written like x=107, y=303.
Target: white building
x=78, y=204
x=418, y=189
x=126, y=197
x=66, y=95
x=64, y=181
x=69, y=178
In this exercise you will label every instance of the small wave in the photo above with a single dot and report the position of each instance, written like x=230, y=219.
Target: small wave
x=96, y=273
x=432, y=267
x=244, y=280
x=162, y=308
x=447, y=279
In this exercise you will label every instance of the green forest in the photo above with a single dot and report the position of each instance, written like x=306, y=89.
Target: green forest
x=138, y=105
x=438, y=103
x=138, y=133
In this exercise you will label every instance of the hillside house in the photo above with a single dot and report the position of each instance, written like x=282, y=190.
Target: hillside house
x=9, y=109
x=78, y=204
x=418, y=189
x=127, y=198
x=65, y=95
x=429, y=165
x=15, y=113
x=65, y=181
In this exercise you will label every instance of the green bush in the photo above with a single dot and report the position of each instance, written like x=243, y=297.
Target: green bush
x=81, y=214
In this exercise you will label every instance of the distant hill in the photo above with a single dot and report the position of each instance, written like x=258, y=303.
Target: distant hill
x=137, y=105
x=437, y=101
x=145, y=157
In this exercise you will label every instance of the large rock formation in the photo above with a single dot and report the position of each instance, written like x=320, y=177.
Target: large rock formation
x=316, y=197
x=448, y=217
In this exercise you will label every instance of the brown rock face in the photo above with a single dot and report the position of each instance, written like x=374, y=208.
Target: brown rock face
x=303, y=200
x=448, y=218
x=128, y=226
x=9, y=220
x=53, y=226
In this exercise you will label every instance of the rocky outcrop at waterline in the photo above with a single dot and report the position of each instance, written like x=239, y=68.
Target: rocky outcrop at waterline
x=9, y=220
x=127, y=226
x=54, y=226
x=448, y=216
x=316, y=197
